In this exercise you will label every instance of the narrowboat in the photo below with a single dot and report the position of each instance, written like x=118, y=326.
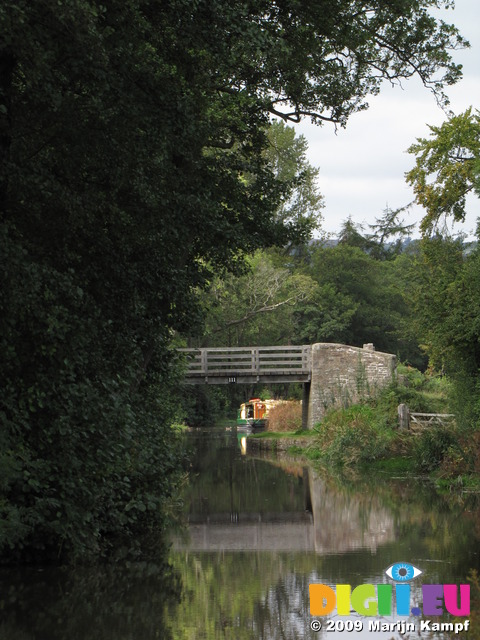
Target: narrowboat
x=253, y=415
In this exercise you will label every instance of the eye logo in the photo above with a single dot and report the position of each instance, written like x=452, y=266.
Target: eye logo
x=402, y=572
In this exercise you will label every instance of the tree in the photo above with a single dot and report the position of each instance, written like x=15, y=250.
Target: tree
x=445, y=294
x=447, y=168
x=325, y=317
x=286, y=154
x=351, y=234
x=446, y=277
x=133, y=142
x=255, y=308
x=380, y=243
x=359, y=296
x=387, y=228
x=356, y=301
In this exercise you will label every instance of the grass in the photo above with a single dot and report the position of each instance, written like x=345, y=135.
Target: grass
x=179, y=427
x=395, y=464
x=354, y=436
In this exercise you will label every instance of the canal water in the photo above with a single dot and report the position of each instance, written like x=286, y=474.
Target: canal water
x=257, y=532
x=261, y=530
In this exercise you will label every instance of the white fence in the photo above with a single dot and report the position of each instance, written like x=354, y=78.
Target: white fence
x=418, y=421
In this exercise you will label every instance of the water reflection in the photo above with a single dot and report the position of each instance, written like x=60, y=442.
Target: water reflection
x=260, y=535
x=277, y=511
x=328, y=521
x=259, y=532
x=104, y=603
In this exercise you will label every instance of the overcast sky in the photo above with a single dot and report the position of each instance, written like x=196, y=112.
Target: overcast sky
x=362, y=167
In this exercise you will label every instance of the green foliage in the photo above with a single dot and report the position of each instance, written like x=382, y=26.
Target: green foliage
x=432, y=446
x=286, y=155
x=255, y=308
x=358, y=300
x=375, y=424
x=352, y=436
x=265, y=394
x=203, y=406
x=445, y=298
x=326, y=317
x=388, y=234
x=396, y=465
x=133, y=166
x=411, y=377
x=423, y=392
x=447, y=168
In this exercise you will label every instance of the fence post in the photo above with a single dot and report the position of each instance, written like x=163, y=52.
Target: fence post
x=306, y=354
x=256, y=361
x=403, y=416
x=204, y=362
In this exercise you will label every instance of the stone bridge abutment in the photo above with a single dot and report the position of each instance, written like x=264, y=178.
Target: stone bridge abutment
x=342, y=375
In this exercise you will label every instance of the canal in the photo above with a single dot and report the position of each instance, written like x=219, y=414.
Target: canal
x=256, y=533
x=261, y=530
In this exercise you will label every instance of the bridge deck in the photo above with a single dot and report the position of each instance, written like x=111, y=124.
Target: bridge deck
x=224, y=365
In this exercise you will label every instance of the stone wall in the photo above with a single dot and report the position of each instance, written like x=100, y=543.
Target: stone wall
x=343, y=375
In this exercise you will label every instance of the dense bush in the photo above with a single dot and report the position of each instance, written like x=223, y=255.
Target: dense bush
x=204, y=406
x=432, y=445
x=352, y=436
x=112, y=218
x=286, y=416
x=133, y=169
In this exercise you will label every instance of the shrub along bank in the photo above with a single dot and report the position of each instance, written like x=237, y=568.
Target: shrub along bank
x=368, y=435
x=286, y=416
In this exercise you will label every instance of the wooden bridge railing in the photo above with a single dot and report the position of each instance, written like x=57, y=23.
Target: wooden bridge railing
x=223, y=365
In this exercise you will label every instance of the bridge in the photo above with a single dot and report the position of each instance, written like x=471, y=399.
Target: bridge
x=248, y=365
x=332, y=374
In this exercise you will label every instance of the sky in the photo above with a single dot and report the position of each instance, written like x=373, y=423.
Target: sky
x=362, y=168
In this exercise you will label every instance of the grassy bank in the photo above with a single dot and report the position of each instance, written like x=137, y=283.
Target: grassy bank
x=367, y=436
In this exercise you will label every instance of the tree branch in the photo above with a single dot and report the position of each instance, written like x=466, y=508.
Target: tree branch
x=265, y=309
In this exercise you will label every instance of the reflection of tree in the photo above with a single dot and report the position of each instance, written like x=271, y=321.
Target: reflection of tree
x=427, y=524
x=104, y=603
x=229, y=483
x=252, y=595
x=284, y=613
x=243, y=596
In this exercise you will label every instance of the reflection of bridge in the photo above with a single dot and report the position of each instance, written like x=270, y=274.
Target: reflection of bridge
x=332, y=374
x=337, y=523
x=247, y=531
